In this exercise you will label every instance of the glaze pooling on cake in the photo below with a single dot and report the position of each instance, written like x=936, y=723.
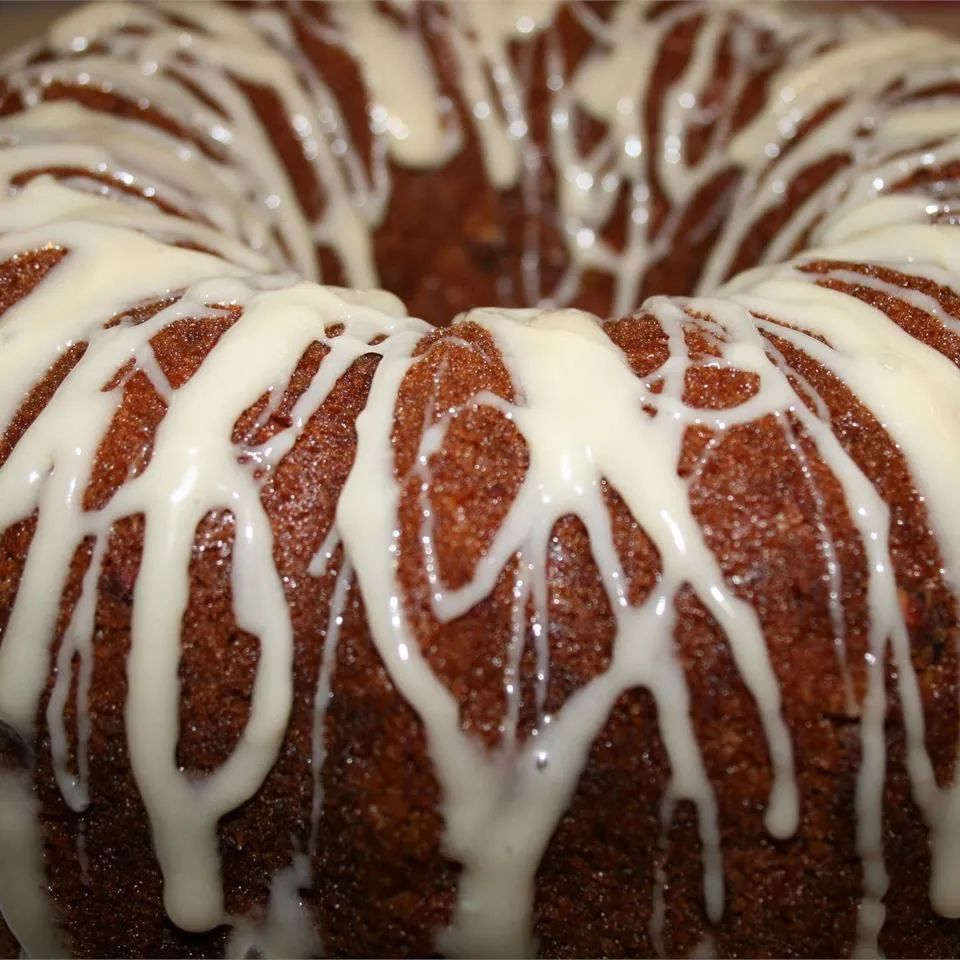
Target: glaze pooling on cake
x=555, y=487
x=592, y=427
x=228, y=174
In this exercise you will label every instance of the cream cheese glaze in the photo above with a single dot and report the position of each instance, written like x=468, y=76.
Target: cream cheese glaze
x=232, y=177
x=501, y=807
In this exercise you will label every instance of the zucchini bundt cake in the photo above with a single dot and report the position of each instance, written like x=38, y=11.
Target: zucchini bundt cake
x=507, y=629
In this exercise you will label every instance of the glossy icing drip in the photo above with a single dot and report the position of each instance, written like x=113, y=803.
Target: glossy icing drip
x=500, y=807
x=882, y=124
x=499, y=814
x=287, y=928
x=23, y=899
x=228, y=181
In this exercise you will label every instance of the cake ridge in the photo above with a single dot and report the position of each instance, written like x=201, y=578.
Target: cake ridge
x=854, y=332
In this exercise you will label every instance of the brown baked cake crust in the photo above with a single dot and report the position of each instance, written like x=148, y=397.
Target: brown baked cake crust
x=350, y=842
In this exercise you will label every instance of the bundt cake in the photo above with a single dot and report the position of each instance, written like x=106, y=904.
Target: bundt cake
x=506, y=629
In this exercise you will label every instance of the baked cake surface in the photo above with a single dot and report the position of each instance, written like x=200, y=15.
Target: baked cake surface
x=457, y=619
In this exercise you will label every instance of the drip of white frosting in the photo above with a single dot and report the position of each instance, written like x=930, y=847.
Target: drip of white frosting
x=243, y=190
x=886, y=136
x=500, y=809
x=324, y=692
x=405, y=102
x=23, y=883
x=77, y=641
x=287, y=927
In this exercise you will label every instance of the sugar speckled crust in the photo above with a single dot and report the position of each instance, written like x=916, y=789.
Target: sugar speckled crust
x=623, y=872
x=382, y=885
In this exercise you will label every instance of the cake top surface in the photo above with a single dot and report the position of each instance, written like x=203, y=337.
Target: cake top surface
x=188, y=216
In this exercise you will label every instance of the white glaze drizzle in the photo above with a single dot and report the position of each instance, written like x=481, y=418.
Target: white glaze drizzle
x=77, y=641
x=500, y=810
x=324, y=692
x=24, y=904
x=886, y=135
x=243, y=190
x=287, y=927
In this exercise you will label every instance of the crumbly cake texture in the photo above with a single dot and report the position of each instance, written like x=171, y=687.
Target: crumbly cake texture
x=506, y=629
